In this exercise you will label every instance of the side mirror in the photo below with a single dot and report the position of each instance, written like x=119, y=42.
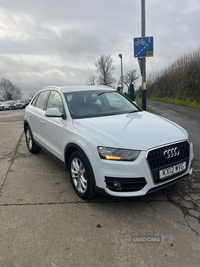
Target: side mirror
x=53, y=112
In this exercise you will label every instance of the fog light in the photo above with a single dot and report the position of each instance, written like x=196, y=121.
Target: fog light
x=117, y=186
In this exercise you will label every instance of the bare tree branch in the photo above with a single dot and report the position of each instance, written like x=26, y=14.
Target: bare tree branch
x=106, y=69
x=129, y=78
x=8, y=91
x=91, y=80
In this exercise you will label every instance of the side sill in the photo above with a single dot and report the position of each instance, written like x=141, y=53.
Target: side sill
x=51, y=155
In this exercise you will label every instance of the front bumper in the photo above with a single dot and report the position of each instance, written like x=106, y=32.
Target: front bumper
x=137, y=175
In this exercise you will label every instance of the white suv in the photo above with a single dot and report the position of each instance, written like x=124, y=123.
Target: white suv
x=107, y=143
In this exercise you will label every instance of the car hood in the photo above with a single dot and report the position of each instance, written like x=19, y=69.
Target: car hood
x=141, y=130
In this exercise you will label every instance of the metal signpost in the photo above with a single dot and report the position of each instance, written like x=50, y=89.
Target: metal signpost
x=143, y=47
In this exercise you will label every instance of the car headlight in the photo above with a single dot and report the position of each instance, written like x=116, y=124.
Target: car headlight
x=110, y=153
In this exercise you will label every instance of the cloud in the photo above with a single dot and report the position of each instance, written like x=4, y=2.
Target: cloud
x=51, y=42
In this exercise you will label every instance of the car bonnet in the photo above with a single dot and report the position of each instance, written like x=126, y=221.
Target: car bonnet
x=140, y=130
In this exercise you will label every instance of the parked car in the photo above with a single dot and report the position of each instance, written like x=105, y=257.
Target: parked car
x=8, y=105
x=108, y=144
x=22, y=103
x=1, y=106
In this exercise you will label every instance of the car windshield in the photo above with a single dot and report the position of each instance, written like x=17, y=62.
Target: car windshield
x=88, y=104
x=20, y=101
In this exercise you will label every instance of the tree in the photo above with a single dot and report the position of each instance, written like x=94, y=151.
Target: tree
x=8, y=91
x=106, y=69
x=17, y=94
x=91, y=80
x=129, y=78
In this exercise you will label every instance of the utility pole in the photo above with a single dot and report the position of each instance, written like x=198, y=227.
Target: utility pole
x=144, y=58
x=120, y=56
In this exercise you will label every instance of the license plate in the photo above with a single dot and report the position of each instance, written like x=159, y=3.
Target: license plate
x=172, y=170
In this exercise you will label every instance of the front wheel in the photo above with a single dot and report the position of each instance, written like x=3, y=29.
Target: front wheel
x=81, y=175
x=31, y=145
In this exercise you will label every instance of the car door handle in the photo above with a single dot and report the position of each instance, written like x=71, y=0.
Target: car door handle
x=43, y=122
x=29, y=114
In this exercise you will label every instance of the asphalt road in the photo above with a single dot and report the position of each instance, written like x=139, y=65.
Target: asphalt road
x=188, y=118
x=43, y=222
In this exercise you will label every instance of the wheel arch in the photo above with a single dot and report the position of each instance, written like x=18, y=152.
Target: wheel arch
x=69, y=149
x=26, y=124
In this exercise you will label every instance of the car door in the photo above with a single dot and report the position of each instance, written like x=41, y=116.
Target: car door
x=36, y=115
x=52, y=129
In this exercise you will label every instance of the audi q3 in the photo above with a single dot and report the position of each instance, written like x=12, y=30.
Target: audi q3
x=108, y=144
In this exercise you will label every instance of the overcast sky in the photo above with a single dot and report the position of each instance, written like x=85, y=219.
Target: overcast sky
x=56, y=42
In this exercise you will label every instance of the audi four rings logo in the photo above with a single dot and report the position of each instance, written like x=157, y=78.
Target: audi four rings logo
x=170, y=153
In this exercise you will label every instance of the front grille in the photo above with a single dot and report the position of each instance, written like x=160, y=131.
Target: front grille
x=127, y=184
x=157, y=161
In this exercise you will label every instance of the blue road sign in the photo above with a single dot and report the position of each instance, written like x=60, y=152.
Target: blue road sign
x=143, y=47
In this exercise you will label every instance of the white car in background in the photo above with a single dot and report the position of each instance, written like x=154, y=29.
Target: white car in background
x=1, y=107
x=108, y=144
x=8, y=105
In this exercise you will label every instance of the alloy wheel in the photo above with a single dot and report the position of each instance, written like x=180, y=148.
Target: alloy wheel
x=78, y=174
x=29, y=139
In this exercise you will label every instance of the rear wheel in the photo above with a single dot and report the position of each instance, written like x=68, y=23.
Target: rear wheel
x=31, y=145
x=81, y=175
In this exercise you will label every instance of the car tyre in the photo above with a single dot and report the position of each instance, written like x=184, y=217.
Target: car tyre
x=81, y=175
x=31, y=145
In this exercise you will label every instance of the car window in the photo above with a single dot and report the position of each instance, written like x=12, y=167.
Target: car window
x=98, y=103
x=55, y=101
x=82, y=100
x=114, y=100
x=33, y=102
x=41, y=100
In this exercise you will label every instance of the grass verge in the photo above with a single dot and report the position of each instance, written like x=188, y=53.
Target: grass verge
x=140, y=106
x=178, y=102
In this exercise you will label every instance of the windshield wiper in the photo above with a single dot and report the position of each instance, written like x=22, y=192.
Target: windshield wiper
x=106, y=92
x=133, y=111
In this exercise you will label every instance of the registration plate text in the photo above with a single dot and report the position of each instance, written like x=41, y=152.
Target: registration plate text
x=172, y=170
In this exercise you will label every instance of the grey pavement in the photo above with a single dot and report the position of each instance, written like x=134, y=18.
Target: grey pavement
x=44, y=223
